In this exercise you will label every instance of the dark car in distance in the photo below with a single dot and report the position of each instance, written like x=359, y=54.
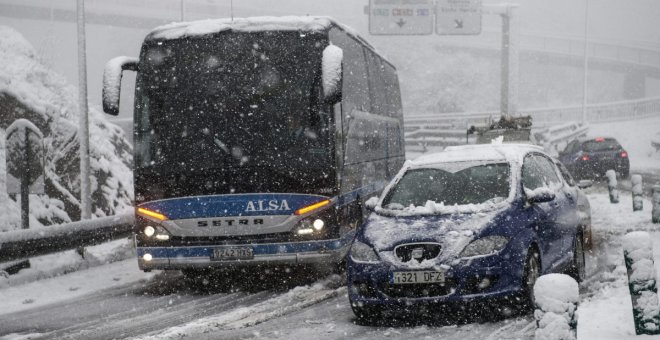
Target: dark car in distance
x=470, y=226
x=591, y=158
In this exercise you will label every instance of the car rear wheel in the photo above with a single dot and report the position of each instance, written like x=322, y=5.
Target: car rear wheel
x=531, y=274
x=578, y=267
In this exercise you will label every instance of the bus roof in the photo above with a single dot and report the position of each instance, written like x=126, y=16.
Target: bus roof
x=178, y=30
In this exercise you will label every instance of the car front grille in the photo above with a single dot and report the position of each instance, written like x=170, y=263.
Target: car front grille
x=417, y=251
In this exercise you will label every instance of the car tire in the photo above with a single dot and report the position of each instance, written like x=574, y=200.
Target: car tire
x=367, y=315
x=531, y=273
x=578, y=267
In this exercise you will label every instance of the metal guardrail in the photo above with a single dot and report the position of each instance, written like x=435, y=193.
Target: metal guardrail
x=19, y=244
x=449, y=128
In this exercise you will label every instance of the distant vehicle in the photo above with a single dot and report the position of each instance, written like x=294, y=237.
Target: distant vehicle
x=256, y=141
x=655, y=142
x=592, y=157
x=510, y=129
x=472, y=224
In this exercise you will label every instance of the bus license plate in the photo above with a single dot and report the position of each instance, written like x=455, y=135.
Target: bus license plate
x=417, y=277
x=232, y=253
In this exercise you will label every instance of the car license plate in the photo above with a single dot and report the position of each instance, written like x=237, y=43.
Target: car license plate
x=417, y=277
x=232, y=253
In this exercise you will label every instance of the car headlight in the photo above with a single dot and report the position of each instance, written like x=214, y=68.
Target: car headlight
x=361, y=252
x=485, y=246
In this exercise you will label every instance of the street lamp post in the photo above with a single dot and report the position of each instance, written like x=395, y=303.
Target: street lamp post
x=83, y=133
x=586, y=62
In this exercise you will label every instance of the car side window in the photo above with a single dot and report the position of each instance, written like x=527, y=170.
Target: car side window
x=549, y=170
x=572, y=147
x=566, y=175
x=538, y=171
x=532, y=175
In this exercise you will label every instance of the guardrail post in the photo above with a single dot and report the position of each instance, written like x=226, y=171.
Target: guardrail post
x=637, y=190
x=611, y=186
x=656, y=204
x=556, y=299
x=638, y=255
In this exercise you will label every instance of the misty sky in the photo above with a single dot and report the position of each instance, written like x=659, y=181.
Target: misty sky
x=620, y=21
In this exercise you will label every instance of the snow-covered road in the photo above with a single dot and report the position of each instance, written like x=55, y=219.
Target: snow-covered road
x=116, y=300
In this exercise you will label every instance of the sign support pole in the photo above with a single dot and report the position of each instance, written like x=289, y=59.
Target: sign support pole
x=25, y=184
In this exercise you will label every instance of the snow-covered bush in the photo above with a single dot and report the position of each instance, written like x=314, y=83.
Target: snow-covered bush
x=556, y=297
x=638, y=255
x=30, y=90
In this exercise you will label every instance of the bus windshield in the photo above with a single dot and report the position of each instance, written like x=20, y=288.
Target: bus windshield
x=232, y=100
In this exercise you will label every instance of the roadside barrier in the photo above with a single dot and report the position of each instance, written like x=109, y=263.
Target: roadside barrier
x=611, y=186
x=638, y=255
x=656, y=204
x=556, y=299
x=637, y=190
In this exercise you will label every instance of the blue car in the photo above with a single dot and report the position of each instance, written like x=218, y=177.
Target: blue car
x=472, y=224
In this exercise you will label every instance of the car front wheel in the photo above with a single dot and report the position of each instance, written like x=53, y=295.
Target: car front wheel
x=367, y=314
x=531, y=274
x=577, y=270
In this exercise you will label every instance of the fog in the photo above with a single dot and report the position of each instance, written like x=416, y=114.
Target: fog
x=117, y=27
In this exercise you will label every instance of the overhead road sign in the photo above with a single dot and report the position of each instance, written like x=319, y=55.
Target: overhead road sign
x=458, y=17
x=400, y=17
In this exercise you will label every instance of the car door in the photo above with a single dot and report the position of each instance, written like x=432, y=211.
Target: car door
x=565, y=204
x=544, y=217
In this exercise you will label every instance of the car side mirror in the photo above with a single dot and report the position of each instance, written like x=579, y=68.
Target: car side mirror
x=332, y=75
x=539, y=195
x=585, y=183
x=112, y=82
x=371, y=203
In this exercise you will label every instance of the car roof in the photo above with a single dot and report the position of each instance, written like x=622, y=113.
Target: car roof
x=479, y=152
x=596, y=138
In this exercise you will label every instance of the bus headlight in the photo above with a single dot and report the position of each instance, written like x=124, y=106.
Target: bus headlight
x=309, y=226
x=157, y=232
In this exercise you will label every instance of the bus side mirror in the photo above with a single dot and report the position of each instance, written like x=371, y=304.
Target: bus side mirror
x=112, y=82
x=332, y=73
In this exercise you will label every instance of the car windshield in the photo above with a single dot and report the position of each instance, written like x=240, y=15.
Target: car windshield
x=451, y=184
x=601, y=145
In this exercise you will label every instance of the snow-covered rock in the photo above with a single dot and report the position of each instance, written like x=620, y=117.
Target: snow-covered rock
x=32, y=91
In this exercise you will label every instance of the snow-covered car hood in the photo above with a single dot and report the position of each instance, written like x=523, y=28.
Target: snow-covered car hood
x=452, y=231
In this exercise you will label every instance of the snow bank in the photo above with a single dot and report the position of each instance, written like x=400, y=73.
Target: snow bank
x=557, y=296
x=34, y=92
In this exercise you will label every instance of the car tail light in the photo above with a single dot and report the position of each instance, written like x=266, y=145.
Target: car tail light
x=624, y=154
x=600, y=139
x=585, y=157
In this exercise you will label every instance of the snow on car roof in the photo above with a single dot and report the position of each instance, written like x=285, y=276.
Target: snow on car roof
x=512, y=153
